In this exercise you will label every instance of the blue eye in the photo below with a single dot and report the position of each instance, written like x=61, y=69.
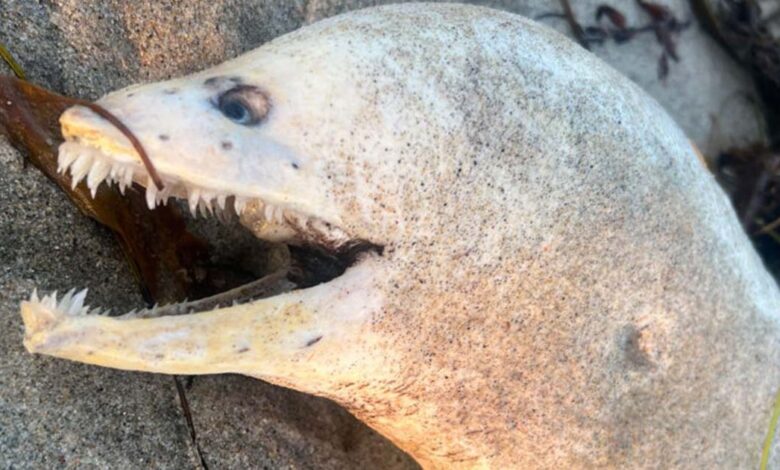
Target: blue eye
x=245, y=105
x=236, y=111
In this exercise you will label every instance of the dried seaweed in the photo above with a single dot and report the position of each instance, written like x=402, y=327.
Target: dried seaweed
x=9, y=59
x=740, y=26
x=663, y=23
x=751, y=175
x=163, y=254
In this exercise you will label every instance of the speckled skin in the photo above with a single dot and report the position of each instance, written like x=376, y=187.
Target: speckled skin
x=563, y=284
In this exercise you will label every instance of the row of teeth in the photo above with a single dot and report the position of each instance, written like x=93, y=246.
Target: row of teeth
x=84, y=161
x=72, y=304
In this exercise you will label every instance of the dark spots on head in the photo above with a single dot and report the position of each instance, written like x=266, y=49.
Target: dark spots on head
x=158, y=356
x=210, y=82
x=295, y=165
x=313, y=341
x=171, y=91
x=130, y=95
x=164, y=137
x=227, y=145
x=243, y=350
x=236, y=79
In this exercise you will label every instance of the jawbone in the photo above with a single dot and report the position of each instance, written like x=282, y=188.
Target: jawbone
x=315, y=338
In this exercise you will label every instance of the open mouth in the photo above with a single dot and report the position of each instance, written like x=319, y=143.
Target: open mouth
x=318, y=250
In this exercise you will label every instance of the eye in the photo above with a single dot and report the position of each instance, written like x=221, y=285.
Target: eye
x=236, y=111
x=244, y=104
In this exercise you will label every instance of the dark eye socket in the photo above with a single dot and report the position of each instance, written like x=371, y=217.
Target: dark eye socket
x=236, y=111
x=244, y=104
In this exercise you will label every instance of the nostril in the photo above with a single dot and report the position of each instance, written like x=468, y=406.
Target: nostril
x=164, y=137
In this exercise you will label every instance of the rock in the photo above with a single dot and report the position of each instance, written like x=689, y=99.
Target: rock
x=57, y=413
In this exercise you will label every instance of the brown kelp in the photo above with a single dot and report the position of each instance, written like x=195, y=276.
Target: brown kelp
x=158, y=246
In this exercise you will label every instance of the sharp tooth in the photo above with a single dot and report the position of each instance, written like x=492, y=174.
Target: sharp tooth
x=65, y=158
x=66, y=299
x=193, y=199
x=164, y=195
x=34, y=296
x=78, y=303
x=160, y=199
x=79, y=169
x=239, y=205
x=120, y=181
x=127, y=179
x=115, y=171
x=221, y=201
x=204, y=205
x=151, y=194
x=97, y=174
x=222, y=215
x=268, y=212
x=202, y=208
x=51, y=301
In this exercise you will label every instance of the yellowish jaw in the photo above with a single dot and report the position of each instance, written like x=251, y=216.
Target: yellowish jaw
x=301, y=337
x=225, y=340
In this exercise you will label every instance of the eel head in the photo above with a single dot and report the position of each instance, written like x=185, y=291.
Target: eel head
x=241, y=140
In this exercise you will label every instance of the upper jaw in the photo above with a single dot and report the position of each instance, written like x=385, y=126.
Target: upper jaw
x=97, y=160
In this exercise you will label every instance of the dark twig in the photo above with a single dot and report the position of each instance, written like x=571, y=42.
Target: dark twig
x=185, y=408
x=575, y=26
x=105, y=114
x=664, y=24
x=759, y=191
